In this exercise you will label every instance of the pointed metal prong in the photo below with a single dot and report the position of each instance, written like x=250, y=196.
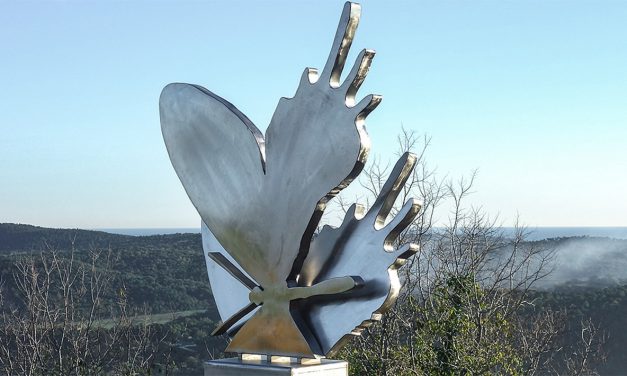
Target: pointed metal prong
x=310, y=76
x=392, y=187
x=401, y=221
x=365, y=107
x=228, y=323
x=401, y=255
x=357, y=75
x=342, y=43
x=233, y=270
x=355, y=211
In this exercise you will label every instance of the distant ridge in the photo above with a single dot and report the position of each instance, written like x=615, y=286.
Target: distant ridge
x=533, y=233
x=25, y=238
x=163, y=273
x=21, y=237
x=149, y=231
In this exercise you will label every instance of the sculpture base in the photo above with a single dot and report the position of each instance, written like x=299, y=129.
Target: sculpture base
x=262, y=367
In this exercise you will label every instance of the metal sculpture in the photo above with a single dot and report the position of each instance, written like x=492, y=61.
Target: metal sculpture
x=280, y=290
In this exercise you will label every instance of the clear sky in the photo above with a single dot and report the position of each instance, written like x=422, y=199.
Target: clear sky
x=533, y=94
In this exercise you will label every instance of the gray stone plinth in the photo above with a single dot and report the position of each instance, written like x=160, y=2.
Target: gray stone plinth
x=237, y=367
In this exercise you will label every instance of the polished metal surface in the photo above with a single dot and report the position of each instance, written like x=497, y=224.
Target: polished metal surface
x=363, y=245
x=259, y=209
x=260, y=200
x=230, y=295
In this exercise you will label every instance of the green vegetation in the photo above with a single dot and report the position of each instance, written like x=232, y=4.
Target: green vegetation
x=461, y=341
x=152, y=297
x=157, y=273
x=453, y=345
x=160, y=283
x=606, y=307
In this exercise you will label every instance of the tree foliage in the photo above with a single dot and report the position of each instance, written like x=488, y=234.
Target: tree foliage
x=466, y=294
x=60, y=324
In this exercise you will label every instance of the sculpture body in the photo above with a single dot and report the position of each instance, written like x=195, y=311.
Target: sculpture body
x=279, y=290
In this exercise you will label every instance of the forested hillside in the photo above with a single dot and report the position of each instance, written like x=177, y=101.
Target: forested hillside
x=605, y=307
x=159, y=280
x=161, y=273
x=158, y=275
x=26, y=238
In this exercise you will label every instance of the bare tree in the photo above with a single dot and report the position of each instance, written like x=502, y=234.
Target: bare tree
x=66, y=320
x=588, y=351
x=459, y=311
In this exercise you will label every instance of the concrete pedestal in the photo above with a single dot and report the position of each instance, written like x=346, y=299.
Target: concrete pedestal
x=262, y=367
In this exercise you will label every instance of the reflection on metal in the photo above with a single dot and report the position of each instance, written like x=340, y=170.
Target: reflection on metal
x=231, y=296
x=233, y=270
x=362, y=245
x=278, y=291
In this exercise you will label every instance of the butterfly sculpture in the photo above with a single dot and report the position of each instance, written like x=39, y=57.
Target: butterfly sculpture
x=279, y=289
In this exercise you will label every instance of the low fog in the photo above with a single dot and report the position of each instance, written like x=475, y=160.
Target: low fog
x=586, y=261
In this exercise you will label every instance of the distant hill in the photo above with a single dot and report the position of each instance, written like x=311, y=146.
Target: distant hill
x=166, y=273
x=158, y=274
x=24, y=238
x=163, y=273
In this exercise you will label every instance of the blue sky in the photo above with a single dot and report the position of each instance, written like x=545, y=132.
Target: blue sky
x=532, y=94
